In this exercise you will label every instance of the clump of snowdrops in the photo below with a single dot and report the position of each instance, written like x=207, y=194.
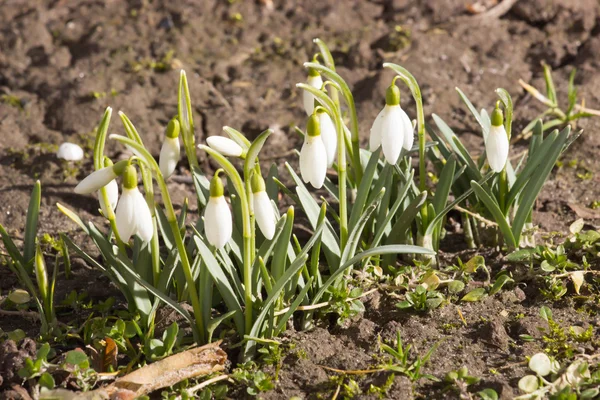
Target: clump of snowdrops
x=253, y=280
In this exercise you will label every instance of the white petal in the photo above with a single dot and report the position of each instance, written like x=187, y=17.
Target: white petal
x=307, y=98
x=217, y=222
x=169, y=156
x=408, y=130
x=392, y=137
x=125, y=215
x=112, y=192
x=225, y=146
x=375, y=137
x=96, y=180
x=496, y=148
x=143, y=218
x=264, y=214
x=70, y=152
x=329, y=137
x=313, y=161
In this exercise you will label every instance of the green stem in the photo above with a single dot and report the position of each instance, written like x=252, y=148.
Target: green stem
x=329, y=105
x=413, y=85
x=502, y=191
x=349, y=99
x=247, y=224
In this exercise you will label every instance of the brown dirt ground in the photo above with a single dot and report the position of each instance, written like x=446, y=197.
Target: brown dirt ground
x=55, y=54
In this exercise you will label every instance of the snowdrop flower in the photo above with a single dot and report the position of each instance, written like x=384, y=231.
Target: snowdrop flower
x=313, y=156
x=225, y=146
x=218, y=222
x=100, y=178
x=70, y=152
x=314, y=80
x=496, y=143
x=112, y=192
x=328, y=135
x=169, y=153
x=133, y=215
x=392, y=129
x=263, y=211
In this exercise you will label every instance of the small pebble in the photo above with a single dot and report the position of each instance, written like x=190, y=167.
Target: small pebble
x=70, y=152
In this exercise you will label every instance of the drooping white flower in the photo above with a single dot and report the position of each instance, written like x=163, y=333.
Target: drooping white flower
x=70, y=152
x=313, y=156
x=170, y=151
x=496, y=142
x=308, y=99
x=328, y=135
x=112, y=192
x=100, y=178
x=218, y=222
x=225, y=146
x=263, y=211
x=392, y=128
x=133, y=216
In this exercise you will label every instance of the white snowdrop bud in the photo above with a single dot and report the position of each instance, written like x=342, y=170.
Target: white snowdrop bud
x=308, y=99
x=313, y=156
x=218, y=222
x=133, y=215
x=225, y=146
x=170, y=151
x=496, y=143
x=263, y=211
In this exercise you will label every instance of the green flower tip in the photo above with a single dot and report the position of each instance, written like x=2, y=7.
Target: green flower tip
x=392, y=95
x=130, y=177
x=216, y=185
x=497, y=116
x=313, y=126
x=107, y=162
x=258, y=183
x=119, y=167
x=173, y=128
x=313, y=72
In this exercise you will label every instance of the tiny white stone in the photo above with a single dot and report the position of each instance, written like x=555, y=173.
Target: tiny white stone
x=70, y=152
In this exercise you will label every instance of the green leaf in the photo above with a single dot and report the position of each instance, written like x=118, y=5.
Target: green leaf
x=253, y=151
x=237, y=137
x=500, y=282
x=364, y=189
x=471, y=108
x=170, y=337
x=508, y=108
x=312, y=210
x=325, y=53
x=531, y=192
x=474, y=295
x=444, y=185
x=280, y=252
x=101, y=139
x=550, y=89
x=46, y=381
x=76, y=357
x=407, y=215
x=214, y=324
x=377, y=251
x=546, y=313
x=281, y=325
x=493, y=207
x=11, y=248
x=522, y=255
x=31, y=224
x=456, y=287
x=354, y=237
x=223, y=285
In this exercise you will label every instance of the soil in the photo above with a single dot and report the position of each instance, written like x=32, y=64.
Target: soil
x=62, y=62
